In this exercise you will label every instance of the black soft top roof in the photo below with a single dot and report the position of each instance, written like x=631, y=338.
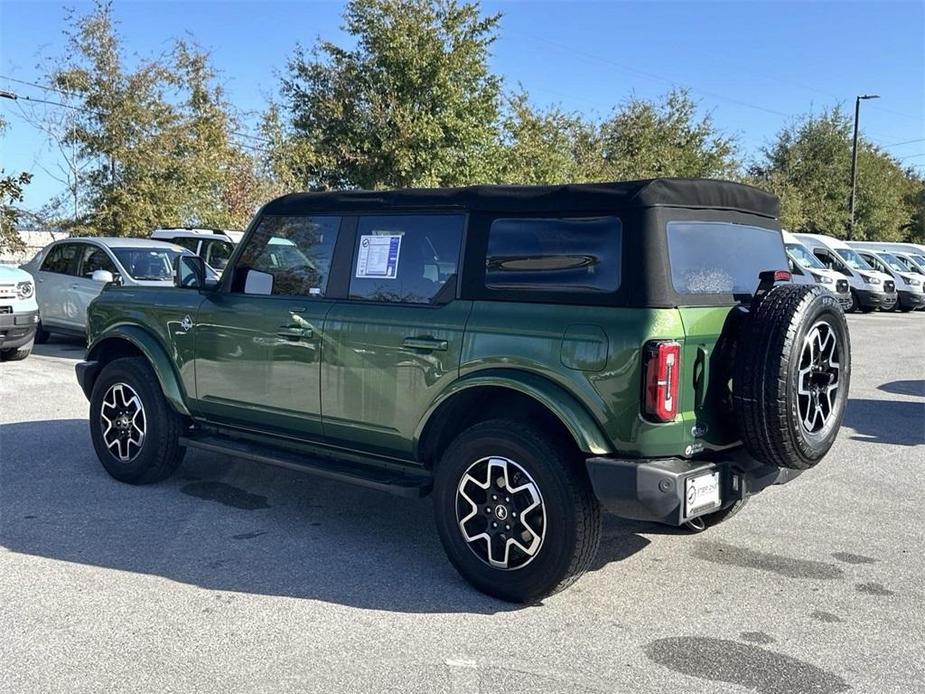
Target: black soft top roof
x=578, y=197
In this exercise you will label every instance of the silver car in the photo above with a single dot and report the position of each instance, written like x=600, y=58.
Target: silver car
x=70, y=273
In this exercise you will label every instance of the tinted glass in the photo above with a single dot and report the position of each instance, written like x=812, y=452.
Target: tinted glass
x=60, y=258
x=554, y=255
x=94, y=259
x=216, y=253
x=187, y=242
x=721, y=257
x=147, y=263
x=893, y=262
x=295, y=250
x=852, y=259
x=802, y=255
x=408, y=259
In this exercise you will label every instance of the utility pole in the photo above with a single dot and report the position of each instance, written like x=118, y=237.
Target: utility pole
x=854, y=159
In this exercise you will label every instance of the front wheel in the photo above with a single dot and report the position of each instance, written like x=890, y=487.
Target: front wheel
x=515, y=511
x=135, y=431
x=17, y=354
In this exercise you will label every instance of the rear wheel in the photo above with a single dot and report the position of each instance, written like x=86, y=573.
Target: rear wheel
x=135, y=431
x=515, y=511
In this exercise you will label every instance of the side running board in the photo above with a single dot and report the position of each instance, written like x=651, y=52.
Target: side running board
x=408, y=483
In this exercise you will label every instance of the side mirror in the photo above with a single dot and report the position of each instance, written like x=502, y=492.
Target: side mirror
x=258, y=282
x=104, y=276
x=190, y=272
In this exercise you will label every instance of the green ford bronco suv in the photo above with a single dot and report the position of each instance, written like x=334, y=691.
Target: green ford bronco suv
x=528, y=355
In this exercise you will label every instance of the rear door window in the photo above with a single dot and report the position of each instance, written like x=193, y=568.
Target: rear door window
x=60, y=259
x=406, y=259
x=577, y=255
x=721, y=257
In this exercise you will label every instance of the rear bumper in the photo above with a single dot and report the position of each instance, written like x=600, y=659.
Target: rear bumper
x=654, y=489
x=16, y=329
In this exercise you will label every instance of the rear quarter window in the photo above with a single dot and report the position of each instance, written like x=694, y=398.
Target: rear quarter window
x=575, y=255
x=721, y=257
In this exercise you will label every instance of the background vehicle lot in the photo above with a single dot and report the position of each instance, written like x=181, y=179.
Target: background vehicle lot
x=233, y=577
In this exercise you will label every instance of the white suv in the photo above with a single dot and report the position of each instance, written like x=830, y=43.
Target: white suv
x=70, y=273
x=212, y=245
x=18, y=313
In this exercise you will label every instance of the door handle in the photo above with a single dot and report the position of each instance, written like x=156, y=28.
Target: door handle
x=426, y=343
x=74, y=286
x=294, y=333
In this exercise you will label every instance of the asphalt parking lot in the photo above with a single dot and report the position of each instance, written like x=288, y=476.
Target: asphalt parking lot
x=237, y=577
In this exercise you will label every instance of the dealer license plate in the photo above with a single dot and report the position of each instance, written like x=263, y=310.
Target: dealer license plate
x=702, y=493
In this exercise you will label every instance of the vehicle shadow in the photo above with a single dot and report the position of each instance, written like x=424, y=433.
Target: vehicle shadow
x=886, y=421
x=235, y=526
x=915, y=387
x=63, y=347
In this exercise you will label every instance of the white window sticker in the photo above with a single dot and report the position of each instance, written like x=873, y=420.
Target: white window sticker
x=378, y=256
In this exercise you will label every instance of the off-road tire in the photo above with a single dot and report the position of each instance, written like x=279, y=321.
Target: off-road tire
x=766, y=375
x=161, y=452
x=17, y=354
x=573, y=515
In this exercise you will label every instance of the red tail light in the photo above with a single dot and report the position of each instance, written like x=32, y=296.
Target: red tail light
x=660, y=370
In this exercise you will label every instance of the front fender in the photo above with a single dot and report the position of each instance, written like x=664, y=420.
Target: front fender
x=152, y=349
x=574, y=416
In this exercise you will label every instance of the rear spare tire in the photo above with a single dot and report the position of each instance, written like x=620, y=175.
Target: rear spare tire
x=791, y=378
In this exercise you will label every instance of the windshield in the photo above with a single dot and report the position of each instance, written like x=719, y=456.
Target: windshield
x=148, y=263
x=920, y=259
x=908, y=263
x=852, y=259
x=802, y=256
x=893, y=262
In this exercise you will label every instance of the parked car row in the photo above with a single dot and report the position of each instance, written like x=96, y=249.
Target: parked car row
x=866, y=276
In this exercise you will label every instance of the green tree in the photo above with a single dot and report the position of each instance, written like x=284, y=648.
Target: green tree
x=640, y=139
x=10, y=195
x=809, y=166
x=541, y=146
x=412, y=104
x=664, y=137
x=156, y=139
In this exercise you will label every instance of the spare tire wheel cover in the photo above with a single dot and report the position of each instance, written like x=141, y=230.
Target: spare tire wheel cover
x=792, y=374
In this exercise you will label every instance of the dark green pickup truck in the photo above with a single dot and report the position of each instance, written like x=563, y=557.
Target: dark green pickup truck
x=527, y=354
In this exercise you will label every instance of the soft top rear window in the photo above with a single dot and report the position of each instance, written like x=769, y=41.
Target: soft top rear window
x=721, y=257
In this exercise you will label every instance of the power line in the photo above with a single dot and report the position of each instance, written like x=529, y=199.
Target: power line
x=75, y=94
x=38, y=86
x=650, y=75
x=912, y=156
x=20, y=97
x=904, y=142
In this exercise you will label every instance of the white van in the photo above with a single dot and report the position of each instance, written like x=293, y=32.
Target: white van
x=870, y=289
x=807, y=269
x=911, y=255
x=908, y=282
x=19, y=313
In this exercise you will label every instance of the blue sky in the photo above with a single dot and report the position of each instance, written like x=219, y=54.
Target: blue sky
x=753, y=65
